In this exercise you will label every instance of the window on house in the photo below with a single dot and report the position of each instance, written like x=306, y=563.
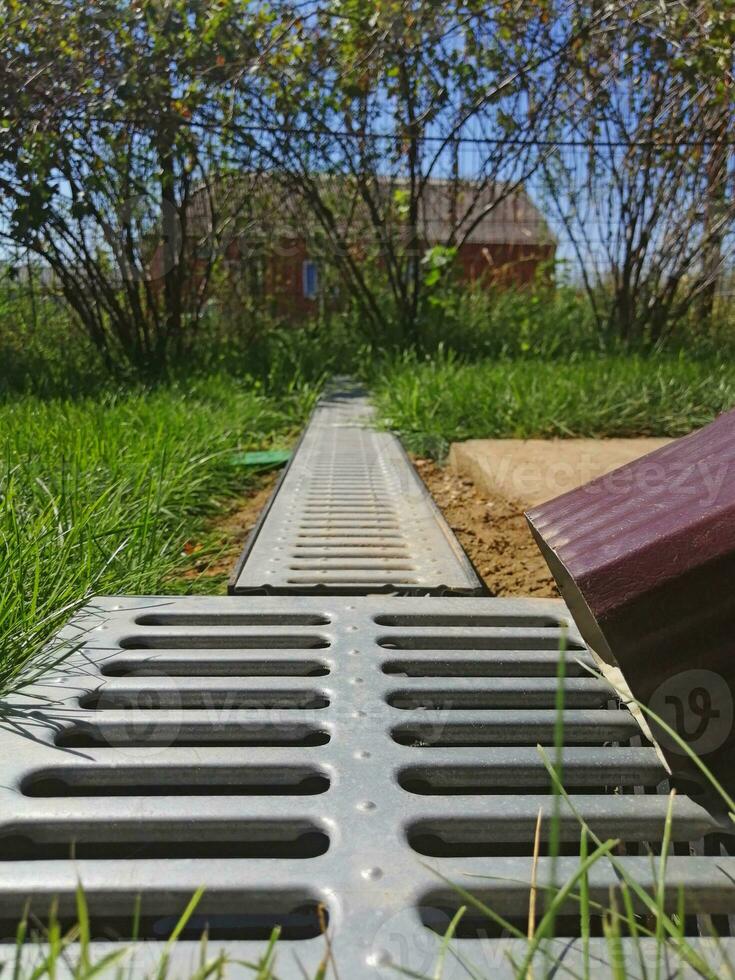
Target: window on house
x=256, y=274
x=310, y=277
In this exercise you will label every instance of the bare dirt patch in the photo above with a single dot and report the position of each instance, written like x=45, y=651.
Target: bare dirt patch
x=493, y=532
x=224, y=537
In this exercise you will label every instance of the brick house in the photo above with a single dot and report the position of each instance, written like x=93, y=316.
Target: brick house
x=272, y=257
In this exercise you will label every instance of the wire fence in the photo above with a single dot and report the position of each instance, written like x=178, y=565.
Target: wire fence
x=604, y=209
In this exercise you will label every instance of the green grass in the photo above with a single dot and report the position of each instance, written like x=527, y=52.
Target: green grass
x=49, y=951
x=434, y=401
x=99, y=494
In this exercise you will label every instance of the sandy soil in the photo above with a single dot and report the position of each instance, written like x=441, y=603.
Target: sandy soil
x=493, y=532
x=535, y=470
x=225, y=536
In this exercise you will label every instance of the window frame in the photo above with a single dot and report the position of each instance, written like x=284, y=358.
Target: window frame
x=308, y=268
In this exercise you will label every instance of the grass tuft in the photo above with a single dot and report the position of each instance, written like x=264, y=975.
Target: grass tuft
x=434, y=402
x=99, y=495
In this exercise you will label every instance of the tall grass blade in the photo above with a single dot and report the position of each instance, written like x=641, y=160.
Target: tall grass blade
x=584, y=906
x=693, y=959
x=661, y=885
x=177, y=930
x=446, y=940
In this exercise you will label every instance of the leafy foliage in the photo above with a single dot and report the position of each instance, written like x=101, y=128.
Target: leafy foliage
x=105, y=175
x=433, y=402
x=136, y=134
x=99, y=494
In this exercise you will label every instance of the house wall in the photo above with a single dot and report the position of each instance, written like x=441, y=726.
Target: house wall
x=495, y=264
x=284, y=279
x=281, y=274
x=502, y=264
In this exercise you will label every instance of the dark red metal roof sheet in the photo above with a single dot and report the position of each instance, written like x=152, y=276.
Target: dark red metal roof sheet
x=645, y=558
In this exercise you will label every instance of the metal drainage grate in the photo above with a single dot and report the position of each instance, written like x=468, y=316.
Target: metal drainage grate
x=287, y=752
x=351, y=515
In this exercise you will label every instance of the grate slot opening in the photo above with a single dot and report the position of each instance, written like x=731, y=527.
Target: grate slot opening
x=454, y=642
x=447, y=845
x=345, y=509
x=416, y=620
x=343, y=557
x=254, y=920
x=132, y=781
x=332, y=494
x=425, y=787
x=446, y=735
x=232, y=619
x=491, y=667
x=439, y=910
x=383, y=581
x=345, y=536
x=340, y=565
x=333, y=552
x=344, y=521
x=489, y=699
x=273, y=840
x=478, y=838
x=377, y=532
x=151, y=700
x=345, y=501
x=485, y=781
x=188, y=736
x=224, y=642
x=211, y=667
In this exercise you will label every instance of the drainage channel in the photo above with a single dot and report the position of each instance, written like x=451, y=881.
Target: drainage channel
x=351, y=515
x=319, y=754
x=333, y=760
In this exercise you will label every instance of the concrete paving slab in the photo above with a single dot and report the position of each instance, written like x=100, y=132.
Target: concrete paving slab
x=531, y=471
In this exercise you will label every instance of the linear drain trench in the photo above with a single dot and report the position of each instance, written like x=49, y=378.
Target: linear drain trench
x=208, y=742
x=347, y=477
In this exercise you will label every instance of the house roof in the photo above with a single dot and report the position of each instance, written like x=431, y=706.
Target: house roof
x=484, y=213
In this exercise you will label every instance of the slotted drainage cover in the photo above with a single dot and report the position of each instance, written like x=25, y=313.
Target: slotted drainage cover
x=352, y=515
x=354, y=753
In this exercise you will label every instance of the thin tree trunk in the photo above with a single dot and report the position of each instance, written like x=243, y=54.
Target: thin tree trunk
x=716, y=193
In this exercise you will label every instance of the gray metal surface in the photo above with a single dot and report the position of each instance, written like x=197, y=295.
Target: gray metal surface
x=351, y=515
x=290, y=751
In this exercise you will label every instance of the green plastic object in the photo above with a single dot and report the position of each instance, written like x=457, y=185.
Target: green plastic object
x=267, y=459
